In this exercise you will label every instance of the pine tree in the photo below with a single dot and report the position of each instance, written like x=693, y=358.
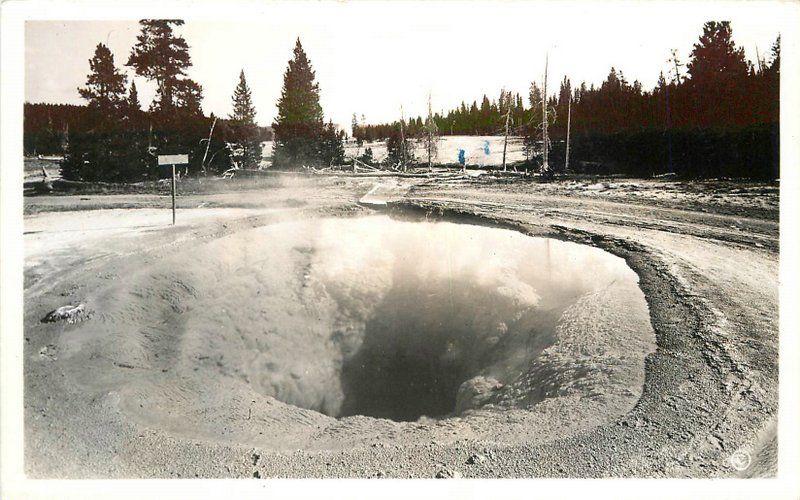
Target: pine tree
x=133, y=98
x=188, y=97
x=161, y=56
x=533, y=127
x=243, y=126
x=356, y=132
x=132, y=108
x=298, y=127
x=176, y=113
x=718, y=74
x=367, y=157
x=332, y=145
x=243, y=109
x=484, y=124
x=112, y=150
x=775, y=63
x=716, y=56
x=399, y=152
x=105, y=85
x=772, y=93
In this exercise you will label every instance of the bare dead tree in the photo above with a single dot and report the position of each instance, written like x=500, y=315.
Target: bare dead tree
x=506, y=100
x=402, y=139
x=569, y=120
x=677, y=64
x=759, y=61
x=208, y=144
x=431, y=136
x=534, y=129
x=545, y=138
x=65, y=139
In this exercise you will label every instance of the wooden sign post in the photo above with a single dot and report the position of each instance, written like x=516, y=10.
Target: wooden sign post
x=173, y=160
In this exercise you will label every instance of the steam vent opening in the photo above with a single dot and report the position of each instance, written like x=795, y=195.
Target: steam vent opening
x=392, y=319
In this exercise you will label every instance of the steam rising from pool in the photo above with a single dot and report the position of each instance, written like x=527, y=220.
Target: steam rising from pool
x=380, y=317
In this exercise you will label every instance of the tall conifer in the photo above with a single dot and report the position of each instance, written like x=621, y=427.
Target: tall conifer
x=243, y=126
x=299, y=125
x=105, y=85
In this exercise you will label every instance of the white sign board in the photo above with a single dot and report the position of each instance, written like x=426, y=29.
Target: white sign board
x=173, y=159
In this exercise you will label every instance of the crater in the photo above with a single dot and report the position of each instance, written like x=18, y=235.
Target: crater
x=385, y=318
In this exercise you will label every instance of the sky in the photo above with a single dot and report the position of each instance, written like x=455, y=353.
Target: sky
x=371, y=58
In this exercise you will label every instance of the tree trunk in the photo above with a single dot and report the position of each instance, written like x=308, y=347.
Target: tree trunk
x=430, y=135
x=402, y=140
x=208, y=144
x=545, y=140
x=569, y=119
x=505, y=140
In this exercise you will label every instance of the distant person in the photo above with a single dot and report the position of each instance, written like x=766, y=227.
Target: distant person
x=485, y=156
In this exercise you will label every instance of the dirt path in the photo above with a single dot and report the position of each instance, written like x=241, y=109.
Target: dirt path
x=710, y=392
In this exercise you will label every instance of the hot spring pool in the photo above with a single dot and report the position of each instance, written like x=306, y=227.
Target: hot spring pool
x=386, y=318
